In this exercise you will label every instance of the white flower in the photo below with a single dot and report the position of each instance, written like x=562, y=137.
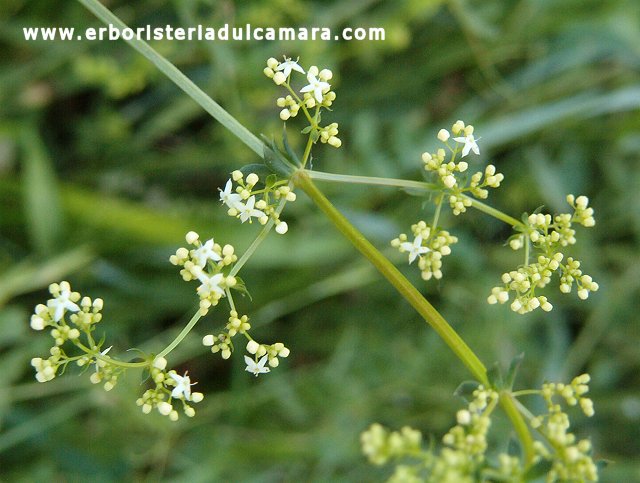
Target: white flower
x=289, y=65
x=210, y=284
x=247, y=210
x=62, y=302
x=205, y=253
x=100, y=362
x=316, y=86
x=414, y=248
x=256, y=367
x=232, y=200
x=469, y=144
x=183, y=386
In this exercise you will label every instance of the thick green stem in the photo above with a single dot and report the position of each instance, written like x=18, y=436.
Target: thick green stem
x=519, y=425
x=393, y=275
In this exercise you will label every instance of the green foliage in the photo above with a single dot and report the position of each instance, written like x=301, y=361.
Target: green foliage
x=101, y=176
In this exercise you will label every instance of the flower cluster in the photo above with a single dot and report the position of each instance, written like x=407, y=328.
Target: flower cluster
x=428, y=245
x=310, y=99
x=548, y=235
x=571, y=458
x=72, y=319
x=205, y=263
x=69, y=317
x=461, y=458
x=170, y=388
x=449, y=172
x=464, y=454
x=241, y=201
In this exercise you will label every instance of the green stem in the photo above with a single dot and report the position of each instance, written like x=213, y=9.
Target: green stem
x=405, y=183
x=480, y=206
x=183, y=333
x=508, y=404
x=369, y=180
x=393, y=275
x=109, y=360
x=179, y=79
x=436, y=215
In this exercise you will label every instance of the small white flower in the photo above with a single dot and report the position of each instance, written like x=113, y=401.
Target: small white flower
x=469, y=144
x=210, y=284
x=61, y=303
x=256, y=367
x=232, y=200
x=316, y=86
x=183, y=386
x=414, y=248
x=247, y=210
x=205, y=253
x=288, y=65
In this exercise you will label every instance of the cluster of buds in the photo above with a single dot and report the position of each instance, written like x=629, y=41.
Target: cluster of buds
x=571, y=459
x=428, y=247
x=449, y=172
x=205, y=263
x=461, y=458
x=380, y=445
x=315, y=95
x=264, y=354
x=241, y=201
x=222, y=342
x=170, y=389
x=469, y=436
x=548, y=235
x=67, y=322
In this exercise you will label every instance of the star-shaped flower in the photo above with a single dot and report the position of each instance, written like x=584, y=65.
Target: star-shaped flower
x=247, y=210
x=469, y=144
x=205, y=253
x=316, y=86
x=183, y=386
x=256, y=367
x=232, y=200
x=210, y=284
x=288, y=65
x=62, y=302
x=415, y=249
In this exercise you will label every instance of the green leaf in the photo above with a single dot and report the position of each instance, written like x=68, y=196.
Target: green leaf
x=241, y=287
x=290, y=152
x=494, y=374
x=513, y=370
x=276, y=162
x=514, y=448
x=465, y=390
x=540, y=469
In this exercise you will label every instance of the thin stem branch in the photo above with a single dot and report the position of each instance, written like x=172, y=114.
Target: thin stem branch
x=179, y=79
x=183, y=333
x=405, y=183
x=370, y=180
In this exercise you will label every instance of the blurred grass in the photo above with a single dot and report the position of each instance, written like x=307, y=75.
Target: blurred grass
x=104, y=165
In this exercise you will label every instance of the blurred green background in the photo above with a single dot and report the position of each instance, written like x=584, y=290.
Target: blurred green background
x=105, y=165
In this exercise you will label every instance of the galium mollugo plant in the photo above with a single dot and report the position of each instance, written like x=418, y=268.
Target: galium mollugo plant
x=260, y=192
